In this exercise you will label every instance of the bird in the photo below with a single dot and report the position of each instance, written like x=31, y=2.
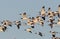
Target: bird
x=3, y=28
x=58, y=21
x=51, y=25
x=43, y=18
x=32, y=24
x=29, y=22
x=24, y=16
x=38, y=18
x=41, y=22
x=6, y=23
x=28, y=30
x=17, y=23
x=53, y=33
x=40, y=34
x=58, y=11
x=35, y=20
x=50, y=13
x=43, y=12
x=51, y=20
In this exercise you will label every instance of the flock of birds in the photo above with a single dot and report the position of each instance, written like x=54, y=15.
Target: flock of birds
x=31, y=21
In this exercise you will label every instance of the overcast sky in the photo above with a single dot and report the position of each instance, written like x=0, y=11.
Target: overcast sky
x=10, y=9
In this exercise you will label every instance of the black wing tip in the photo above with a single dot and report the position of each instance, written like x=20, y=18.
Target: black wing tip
x=58, y=5
x=43, y=7
x=32, y=26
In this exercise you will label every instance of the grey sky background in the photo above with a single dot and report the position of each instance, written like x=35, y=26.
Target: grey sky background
x=10, y=9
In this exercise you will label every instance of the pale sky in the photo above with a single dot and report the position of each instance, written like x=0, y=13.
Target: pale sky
x=10, y=9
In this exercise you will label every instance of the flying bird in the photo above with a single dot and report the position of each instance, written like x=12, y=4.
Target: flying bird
x=58, y=11
x=58, y=21
x=43, y=12
x=18, y=23
x=6, y=23
x=41, y=22
x=28, y=30
x=3, y=28
x=24, y=16
x=32, y=24
x=53, y=33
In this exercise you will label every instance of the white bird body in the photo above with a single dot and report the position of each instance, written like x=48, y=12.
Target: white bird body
x=58, y=21
x=7, y=23
x=41, y=22
x=53, y=38
x=35, y=20
x=43, y=12
x=28, y=30
x=1, y=29
x=17, y=22
x=28, y=23
x=24, y=16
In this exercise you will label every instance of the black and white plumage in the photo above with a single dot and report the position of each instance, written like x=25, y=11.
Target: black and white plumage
x=53, y=33
x=6, y=23
x=41, y=22
x=58, y=21
x=43, y=18
x=28, y=30
x=24, y=16
x=58, y=12
x=51, y=25
x=3, y=28
x=43, y=12
x=18, y=24
x=32, y=24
